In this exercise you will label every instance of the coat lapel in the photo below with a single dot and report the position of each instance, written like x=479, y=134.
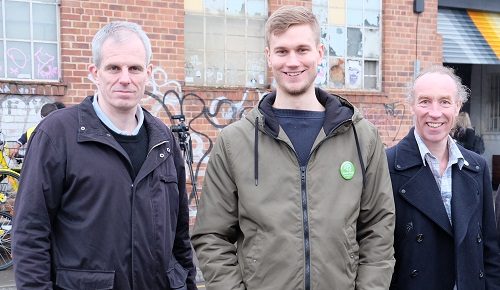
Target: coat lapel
x=422, y=192
x=464, y=201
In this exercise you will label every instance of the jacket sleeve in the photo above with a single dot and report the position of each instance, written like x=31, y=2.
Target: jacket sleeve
x=376, y=222
x=216, y=226
x=491, y=252
x=182, y=249
x=37, y=200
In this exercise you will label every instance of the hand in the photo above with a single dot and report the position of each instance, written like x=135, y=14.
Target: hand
x=14, y=150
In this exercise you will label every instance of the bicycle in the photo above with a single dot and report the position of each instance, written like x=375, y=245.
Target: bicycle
x=9, y=180
x=9, y=184
x=5, y=240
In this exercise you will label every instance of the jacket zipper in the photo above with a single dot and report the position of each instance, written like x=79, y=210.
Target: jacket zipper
x=132, y=188
x=305, y=223
x=305, y=212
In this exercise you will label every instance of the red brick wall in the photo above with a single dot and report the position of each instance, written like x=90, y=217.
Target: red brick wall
x=163, y=22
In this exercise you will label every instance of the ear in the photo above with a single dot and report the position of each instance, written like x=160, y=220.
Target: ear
x=93, y=72
x=149, y=70
x=321, y=51
x=268, y=56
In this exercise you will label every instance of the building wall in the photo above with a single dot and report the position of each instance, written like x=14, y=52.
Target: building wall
x=209, y=109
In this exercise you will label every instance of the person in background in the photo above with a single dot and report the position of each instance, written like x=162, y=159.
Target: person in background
x=297, y=195
x=44, y=112
x=102, y=201
x=445, y=235
x=465, y=134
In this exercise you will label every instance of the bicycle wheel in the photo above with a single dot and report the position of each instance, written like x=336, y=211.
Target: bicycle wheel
x=9, y=184
x=5, y=240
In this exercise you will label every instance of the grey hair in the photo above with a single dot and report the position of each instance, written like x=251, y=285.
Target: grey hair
x=462, y=90
x=113, y=29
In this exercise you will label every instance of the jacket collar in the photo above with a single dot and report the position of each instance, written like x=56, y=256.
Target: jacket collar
x=91, y=128
x=337, y=111
x=425, y=195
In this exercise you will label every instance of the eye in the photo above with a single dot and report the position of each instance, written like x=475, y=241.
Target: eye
x=280, y=52
x=135, y=69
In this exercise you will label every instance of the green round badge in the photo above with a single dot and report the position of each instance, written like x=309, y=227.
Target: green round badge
x=347, y=170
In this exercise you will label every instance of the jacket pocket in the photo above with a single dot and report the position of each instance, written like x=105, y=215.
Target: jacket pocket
x=85, y=279
x=177, y=276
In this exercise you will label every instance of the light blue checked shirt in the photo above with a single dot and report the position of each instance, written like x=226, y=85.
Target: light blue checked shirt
x=443, y=182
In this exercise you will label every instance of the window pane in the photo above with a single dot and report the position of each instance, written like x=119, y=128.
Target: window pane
x=354, y=74
x=255, y=44
x=18, y=60
x=214, y=6
x=235, y=77
x=372, y=4
x=215, y=42
x=47, y=1
x=256, y=67
x=194, y=68
x=215, y=25
x=337, y=41
x=354, y=42
x=193, y=5
x=355, y=17
x=215, y=68
x=2, y=61
x=235, y=7
x=372, y=18
x=337, y=72
x=17, y=20
x=46, y=62
x=193, y=40
x=321, y=13
x=193, y=23
x=256, y=8
x=371, y=83
x=372, y=43
x=235, y=43
x=336, y=16
x=371, y=68
x=255, y=27
x=235, y=60
x=236, y=26
x=44, y=22
x=1, y=23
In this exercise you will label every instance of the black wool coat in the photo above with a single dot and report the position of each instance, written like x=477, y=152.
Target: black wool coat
x=430, y=252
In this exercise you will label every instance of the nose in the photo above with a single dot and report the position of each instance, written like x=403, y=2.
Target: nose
x=292, y=59
x=435, y=110
x=124, y=77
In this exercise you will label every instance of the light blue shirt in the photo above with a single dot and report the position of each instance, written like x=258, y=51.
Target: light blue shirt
x=139, y=115
x=444, y=182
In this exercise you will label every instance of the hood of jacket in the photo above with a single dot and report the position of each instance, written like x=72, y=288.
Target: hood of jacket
x=338, y=111
x=339, y=116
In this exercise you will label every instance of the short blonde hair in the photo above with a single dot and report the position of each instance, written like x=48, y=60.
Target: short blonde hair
x=286, y=16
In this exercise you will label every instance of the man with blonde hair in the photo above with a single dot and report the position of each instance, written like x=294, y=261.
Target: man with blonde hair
x=300, y=184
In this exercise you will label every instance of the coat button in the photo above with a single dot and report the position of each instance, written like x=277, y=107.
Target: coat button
x=82, y=128
x=481, y=274
x=479, y=240
x=162, y=155
x=398, y=166
x=403, y=191
x=420, y=238
x=414, y=273
x=477, y=167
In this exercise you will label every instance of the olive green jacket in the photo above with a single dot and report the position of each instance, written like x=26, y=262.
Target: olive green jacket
x=265, y=223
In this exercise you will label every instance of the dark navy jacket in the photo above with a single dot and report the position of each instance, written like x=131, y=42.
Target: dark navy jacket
x=431, y=254
x=81, y=221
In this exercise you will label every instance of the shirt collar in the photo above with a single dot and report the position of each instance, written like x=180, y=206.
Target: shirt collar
x=102, y=116
x=455, y=156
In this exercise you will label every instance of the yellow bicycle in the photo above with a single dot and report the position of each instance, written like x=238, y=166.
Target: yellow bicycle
x=9, y=181
x=9, y=184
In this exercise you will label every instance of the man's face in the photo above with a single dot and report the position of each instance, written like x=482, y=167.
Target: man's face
x=294, y=57
x=435, y=108
x=122, y=76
